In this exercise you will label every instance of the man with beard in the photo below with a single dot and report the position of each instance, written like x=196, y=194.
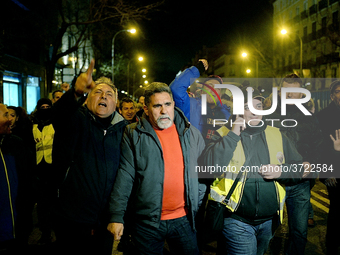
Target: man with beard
x=15, y=189
x=43, y=133
x=155, y=179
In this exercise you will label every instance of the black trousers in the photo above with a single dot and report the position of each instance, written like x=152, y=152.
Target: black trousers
x=77, y=238
x=333, y=222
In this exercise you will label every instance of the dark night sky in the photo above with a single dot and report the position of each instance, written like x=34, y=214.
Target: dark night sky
x=175, y=33
x=179, y=29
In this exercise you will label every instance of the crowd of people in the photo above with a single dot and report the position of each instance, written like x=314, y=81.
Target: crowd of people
x=101, y=171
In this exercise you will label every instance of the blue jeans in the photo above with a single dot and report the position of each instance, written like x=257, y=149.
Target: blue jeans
x=297, y=202
x=177, y=232
x=245, y=239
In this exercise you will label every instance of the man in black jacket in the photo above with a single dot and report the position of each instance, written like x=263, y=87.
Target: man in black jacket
x=156, y=178
x=329, y=119
x=87, y=154
x=304, y=132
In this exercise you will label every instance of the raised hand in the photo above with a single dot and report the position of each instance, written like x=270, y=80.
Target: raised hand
x=84, y=83
x=205, y=63
x=336, y=141
x=238, y=125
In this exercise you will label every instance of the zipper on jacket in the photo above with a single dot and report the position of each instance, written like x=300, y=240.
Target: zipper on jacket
x=9, y=192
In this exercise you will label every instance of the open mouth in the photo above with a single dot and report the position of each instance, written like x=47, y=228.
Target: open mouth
x=102, y=104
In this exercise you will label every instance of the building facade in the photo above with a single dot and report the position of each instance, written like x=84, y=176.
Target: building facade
x=312, y=33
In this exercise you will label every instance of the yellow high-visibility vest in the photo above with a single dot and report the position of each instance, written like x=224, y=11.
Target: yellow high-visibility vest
x=44, y=142
x=221, y=186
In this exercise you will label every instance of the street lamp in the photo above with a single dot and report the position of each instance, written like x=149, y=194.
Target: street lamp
x=128, y=72
x=284, y=31
x=248, y=71
x=244, y=54
x=132, y=31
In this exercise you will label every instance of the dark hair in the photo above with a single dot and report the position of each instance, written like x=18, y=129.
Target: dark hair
x=126, y=100
x=291, y=78
x=153, y=88
x=334, y=85
x=58, y=90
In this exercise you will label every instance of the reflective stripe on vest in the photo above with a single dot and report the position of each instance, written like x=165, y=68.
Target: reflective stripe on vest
x=221, y=186
x=43, y=142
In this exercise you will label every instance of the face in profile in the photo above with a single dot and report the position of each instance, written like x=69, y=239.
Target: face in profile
x=102, y=101
x=12, y=116
x=335, y=96
x=161, y=110
x=5, y=123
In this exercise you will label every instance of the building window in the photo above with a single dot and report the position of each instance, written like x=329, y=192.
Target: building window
x=32, y=93
x=324, y=25
x=314, y=30
x=335, y=20
x=305, y=6
x=297, y=10
x=11, y=90
x=334, y=73
x=305, y=33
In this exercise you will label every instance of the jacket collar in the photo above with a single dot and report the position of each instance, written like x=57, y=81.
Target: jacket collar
x=116, y=117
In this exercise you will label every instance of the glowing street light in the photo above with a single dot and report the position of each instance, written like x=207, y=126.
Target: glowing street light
x=132, y=31
x=146, y=82
x=244, y=54
x=143, y=70
x=144, y=76
x=140, y=59
x=248, y=71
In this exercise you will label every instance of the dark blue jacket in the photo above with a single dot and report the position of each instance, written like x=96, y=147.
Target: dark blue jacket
x=191, y=107
x=86, y=156
x=15, y=183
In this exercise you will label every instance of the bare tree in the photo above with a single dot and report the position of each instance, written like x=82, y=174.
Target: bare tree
x=77, y=17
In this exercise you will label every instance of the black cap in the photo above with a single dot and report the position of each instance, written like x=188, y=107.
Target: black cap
x=42, y=101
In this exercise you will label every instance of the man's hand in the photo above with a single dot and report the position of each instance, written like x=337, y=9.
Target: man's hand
x=116, y=229
x=307, y=168
x=331, y=182
x=224, y=109
x=238, y=125
x=336, y=141
x=270, y=171
x=84, y=82
x=65, y=86
x=205, y=63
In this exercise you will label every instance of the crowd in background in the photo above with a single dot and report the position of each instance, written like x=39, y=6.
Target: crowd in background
x=100, y=169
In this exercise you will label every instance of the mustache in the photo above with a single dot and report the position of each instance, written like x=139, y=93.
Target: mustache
x=163, y=116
